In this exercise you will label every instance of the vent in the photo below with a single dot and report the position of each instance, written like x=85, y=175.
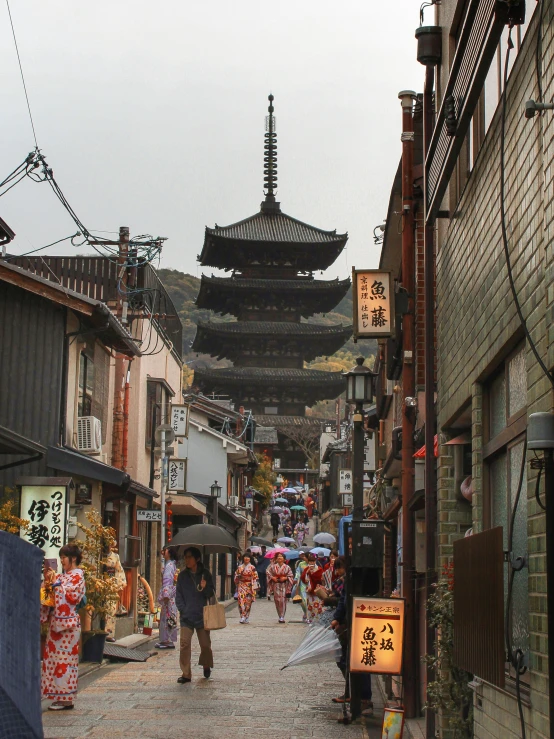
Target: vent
x=89, y=435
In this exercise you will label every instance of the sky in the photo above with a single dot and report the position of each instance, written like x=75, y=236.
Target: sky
x=152, y=116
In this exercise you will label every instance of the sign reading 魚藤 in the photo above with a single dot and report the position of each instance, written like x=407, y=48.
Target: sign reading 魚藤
x=180, y=419
x=377, y=635
x=373, y=303
x=177, y=475
x=345, y=481
x=44, y=506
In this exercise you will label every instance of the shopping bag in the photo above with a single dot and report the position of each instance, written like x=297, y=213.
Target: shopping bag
x=214, y=616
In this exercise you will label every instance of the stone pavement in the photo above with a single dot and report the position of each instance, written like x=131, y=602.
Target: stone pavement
x=247, y=693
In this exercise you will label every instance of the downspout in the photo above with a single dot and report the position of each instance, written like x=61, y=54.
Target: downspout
x=118, y=412
x=429, y=349
x=407, y=98
x=125, y=444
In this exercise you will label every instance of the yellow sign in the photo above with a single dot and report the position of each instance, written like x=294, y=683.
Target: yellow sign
x=373, y=303
x=377, y=635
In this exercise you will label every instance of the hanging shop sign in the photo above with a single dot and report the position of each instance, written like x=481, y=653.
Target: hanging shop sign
x=345, y=481
x=45, y=506
x=179, y=419
x=177, y=475
x=143, y=514
x=347, y=500
x=377, y=635
x=373, y=303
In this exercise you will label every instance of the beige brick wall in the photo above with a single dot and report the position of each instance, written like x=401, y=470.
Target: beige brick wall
x=477, y=323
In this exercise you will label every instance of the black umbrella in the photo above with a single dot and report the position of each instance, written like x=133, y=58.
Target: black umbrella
x=260, y=541
x=212, y=539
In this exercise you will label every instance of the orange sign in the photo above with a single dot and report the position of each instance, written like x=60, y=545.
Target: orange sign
x=377, y=635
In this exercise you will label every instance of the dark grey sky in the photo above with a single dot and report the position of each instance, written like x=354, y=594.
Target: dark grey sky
x=152, y=115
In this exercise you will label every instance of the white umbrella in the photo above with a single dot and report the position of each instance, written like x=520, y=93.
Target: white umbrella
x=286, y=540
x=324, y=538
x=319, y=645
x=291, y=491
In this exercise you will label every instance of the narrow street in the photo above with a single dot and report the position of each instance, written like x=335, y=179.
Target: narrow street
x=247, y=693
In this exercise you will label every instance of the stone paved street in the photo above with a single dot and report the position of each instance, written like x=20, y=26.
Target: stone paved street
x=247, y=694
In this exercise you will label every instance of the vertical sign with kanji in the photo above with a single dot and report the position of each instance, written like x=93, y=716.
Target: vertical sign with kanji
x=45, y=507
x=177, y=475
x=179, y=418
x=345, y=481
x=373, y=303
x=377, y=635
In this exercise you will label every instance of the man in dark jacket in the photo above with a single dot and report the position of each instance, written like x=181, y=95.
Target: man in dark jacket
x=261, y=568
x=275, y=521
x=194, y=589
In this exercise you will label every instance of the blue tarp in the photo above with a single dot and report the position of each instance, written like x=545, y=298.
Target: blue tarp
x=20, y=575
x=342, y=548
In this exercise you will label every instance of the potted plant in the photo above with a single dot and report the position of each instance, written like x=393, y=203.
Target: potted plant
x=102, y=590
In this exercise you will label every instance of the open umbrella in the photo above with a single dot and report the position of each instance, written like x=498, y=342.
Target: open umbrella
x=320, y=551
x=324, y=538
x=260, y=541
x=281, y=500
x=256, y=550
x=206, y=536
x=292, y=554
x=320, y=644
x=298, y=508
x=274, y=552
x=276, y=509
x=290, y=491
x=286, y=540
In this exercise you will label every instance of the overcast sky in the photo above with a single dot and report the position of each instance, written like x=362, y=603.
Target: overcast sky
x=151, y=115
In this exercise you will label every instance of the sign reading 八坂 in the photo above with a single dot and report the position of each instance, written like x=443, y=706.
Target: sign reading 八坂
x=45, y=507
x=177, y=475
x=373, y=303
x=377, y=635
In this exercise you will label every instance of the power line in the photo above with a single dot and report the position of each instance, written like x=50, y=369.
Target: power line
x=40, y=248
x=22, y=76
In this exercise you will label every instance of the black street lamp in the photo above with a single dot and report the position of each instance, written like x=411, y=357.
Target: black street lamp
x=215, y=491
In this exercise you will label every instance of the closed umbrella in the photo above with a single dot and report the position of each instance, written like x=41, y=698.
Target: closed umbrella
x=212, y=539
x=324, y=538
x=320, y=644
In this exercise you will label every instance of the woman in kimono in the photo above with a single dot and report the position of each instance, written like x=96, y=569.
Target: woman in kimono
x=300, y=531
x=166, y=599
x=246, y=580
x=312, y=577
x=279, y=583
x=60, y=664
x=301, y=586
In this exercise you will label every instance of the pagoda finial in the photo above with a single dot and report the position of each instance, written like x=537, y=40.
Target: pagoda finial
x=270, y=161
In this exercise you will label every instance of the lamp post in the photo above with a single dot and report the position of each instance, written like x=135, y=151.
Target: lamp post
x=215, y=491
x=359, y=390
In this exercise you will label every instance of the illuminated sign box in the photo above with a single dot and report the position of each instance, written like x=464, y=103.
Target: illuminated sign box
x=377, y=635
x=372, y=303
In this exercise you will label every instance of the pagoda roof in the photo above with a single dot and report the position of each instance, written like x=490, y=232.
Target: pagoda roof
x=247, y=242
x=277, y=328
x=276, y=375
x=281, y=421
x=229, y=294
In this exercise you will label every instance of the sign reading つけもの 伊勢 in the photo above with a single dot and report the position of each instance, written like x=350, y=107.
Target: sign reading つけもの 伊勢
x=373, y=303
x=377, y=635
x=45, y=507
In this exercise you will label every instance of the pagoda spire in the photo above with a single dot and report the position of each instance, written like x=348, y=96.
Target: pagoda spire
x=270, y=161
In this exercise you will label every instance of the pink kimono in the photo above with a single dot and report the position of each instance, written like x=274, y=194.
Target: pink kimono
x=279, y=590
x=60, y=664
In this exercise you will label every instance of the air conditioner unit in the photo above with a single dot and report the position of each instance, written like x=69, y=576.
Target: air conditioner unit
x=89, y=435
x=233, y=501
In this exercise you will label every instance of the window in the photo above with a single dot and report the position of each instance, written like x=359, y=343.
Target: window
x=505, y=423
x=86, y=381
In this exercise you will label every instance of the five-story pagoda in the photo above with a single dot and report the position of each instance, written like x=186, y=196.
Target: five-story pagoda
x=272, y=258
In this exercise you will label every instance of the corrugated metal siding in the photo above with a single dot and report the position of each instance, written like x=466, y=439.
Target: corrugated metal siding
x=31, y=357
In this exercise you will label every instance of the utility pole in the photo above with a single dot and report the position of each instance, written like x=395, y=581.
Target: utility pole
x=120, y=374
x=407, y=98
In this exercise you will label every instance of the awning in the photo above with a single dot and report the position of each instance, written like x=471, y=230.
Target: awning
x=420, y=454
x=186, y=505
x=141, y=490
x=68, y=460
x=12, y=443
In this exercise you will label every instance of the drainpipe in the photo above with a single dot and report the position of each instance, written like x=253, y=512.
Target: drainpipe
x=429, y=349
x=407, y=98
x=125, y=444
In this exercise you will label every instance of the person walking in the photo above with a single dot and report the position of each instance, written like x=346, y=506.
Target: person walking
x=275, y=520
x=60, y=664
x=312, y=577
x=194, y=589
x=301, y=586
x=280, y=581
x=300, y=531
x=166, y=599
x=246, y=580
x=261, y=568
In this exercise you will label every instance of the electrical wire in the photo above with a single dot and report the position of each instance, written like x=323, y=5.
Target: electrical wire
x=22, y=75
x=510, y=46
x=40, y=248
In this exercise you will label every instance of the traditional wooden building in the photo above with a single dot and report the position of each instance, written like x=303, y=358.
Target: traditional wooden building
x=271, y=292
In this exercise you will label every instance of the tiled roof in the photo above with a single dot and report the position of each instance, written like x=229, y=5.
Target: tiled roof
x=280, y=421
x=244, y=283
x=282, y=328
x=271, y=375
x=275, y=227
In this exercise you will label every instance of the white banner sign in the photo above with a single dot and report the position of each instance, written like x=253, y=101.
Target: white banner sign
x=179, y=419
x=373, y=303
x=347, y=500
x=345, y=481
x=143, y=514
x=45, y=508
x=177, y=475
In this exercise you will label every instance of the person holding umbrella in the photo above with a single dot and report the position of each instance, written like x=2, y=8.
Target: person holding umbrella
x=280, y=581
x=246, y=580
x=194, y=589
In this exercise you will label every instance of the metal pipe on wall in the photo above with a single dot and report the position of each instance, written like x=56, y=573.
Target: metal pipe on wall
x=407, y=98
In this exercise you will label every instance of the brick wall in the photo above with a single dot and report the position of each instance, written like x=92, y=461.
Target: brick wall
x=477, y=325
